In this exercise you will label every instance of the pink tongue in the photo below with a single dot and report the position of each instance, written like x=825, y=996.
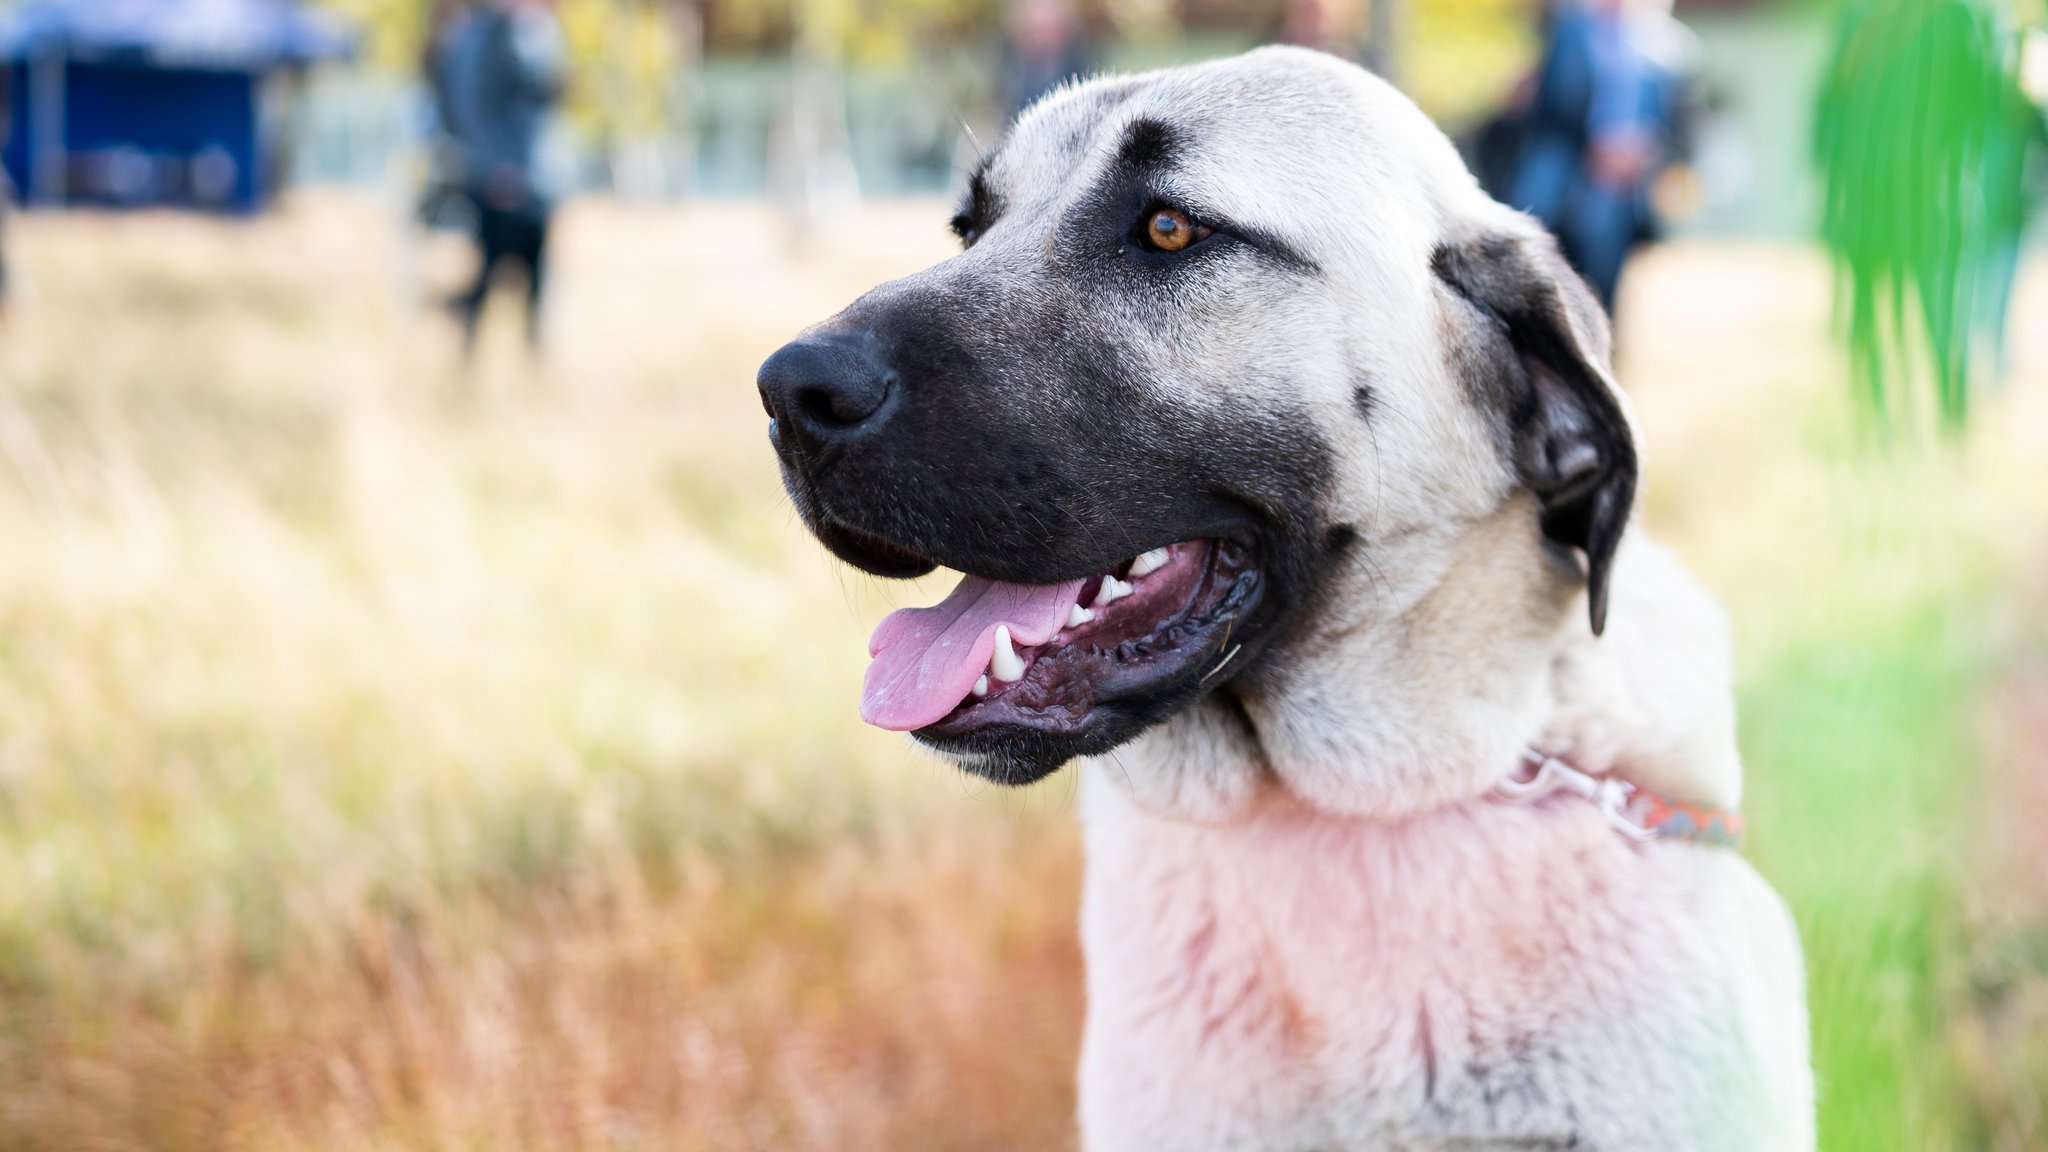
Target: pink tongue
x=927, y=659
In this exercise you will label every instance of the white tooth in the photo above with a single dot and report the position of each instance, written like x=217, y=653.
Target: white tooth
x=1004, y=663
x=1077, y=616
x=1149, y=562
x=1113, y=590
x=981, y=686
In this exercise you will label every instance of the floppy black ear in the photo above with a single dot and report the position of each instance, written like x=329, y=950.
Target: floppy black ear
x=1536, y=354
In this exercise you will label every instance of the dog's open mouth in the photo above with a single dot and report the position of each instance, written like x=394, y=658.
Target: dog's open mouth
x=1042, y=657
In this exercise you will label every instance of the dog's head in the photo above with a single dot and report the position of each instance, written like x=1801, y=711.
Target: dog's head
x=1220, y=339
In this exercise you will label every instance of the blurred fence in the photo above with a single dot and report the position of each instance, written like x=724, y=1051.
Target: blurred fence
x=912, y=128
x=728, y=134
x=1761, y=69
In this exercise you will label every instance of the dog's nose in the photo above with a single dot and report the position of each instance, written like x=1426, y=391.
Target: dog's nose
x=827, y=388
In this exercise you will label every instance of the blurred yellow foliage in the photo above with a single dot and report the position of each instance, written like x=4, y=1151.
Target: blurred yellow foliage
x=1456, y=56
x=627, y=56
x=1460, y=58
x=393, y=30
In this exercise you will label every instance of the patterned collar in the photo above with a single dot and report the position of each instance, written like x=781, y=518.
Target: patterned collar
x=1638, y=813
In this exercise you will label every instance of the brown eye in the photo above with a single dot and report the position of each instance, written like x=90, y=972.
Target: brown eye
x=1170, y=230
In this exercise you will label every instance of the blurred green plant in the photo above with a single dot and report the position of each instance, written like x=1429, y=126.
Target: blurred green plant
x=1921, y=139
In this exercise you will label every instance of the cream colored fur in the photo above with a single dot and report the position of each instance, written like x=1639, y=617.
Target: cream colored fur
x=1275, y=974
x=1308, y=926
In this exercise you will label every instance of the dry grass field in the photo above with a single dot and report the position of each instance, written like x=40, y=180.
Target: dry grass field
x=398, y=754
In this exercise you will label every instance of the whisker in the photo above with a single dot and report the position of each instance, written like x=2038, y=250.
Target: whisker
x=1227, y=657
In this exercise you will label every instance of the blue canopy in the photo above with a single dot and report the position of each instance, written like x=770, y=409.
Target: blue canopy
x=229, y=35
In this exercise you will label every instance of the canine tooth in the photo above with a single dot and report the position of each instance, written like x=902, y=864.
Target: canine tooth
x=1149, y=562
x=1004, y=663
x=981, y=686
x=1113, y=590
x=1077, y=616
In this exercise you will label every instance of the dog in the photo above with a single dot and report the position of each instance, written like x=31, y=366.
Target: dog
x=1292, y=491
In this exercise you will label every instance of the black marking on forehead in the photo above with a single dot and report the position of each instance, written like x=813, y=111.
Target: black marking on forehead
x=980, y=208
x=1365, y=400
x=1148, y=146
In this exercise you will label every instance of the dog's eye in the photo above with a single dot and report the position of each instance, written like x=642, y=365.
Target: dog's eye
x=1170, y=230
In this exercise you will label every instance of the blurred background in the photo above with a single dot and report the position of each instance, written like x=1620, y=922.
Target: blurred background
x=424, y=725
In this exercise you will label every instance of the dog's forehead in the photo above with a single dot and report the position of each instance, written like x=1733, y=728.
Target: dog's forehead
x=1273, y=137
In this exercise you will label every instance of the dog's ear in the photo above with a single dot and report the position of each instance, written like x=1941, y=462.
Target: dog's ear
x=1533, y=343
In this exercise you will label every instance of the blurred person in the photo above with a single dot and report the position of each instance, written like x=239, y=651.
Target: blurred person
x=444, y=64
x=495, y=70
x=1603, y=116
x=1044, y=46
x=6, y=184
x=6, y=209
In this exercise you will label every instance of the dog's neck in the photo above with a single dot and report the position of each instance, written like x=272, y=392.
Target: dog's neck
x=1408, y=698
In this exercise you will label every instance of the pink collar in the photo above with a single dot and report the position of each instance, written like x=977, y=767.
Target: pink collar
x=1638, y=813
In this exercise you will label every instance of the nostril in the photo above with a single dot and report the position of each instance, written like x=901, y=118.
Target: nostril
x=821, y=407
x=843, y=404
x=826, y=387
